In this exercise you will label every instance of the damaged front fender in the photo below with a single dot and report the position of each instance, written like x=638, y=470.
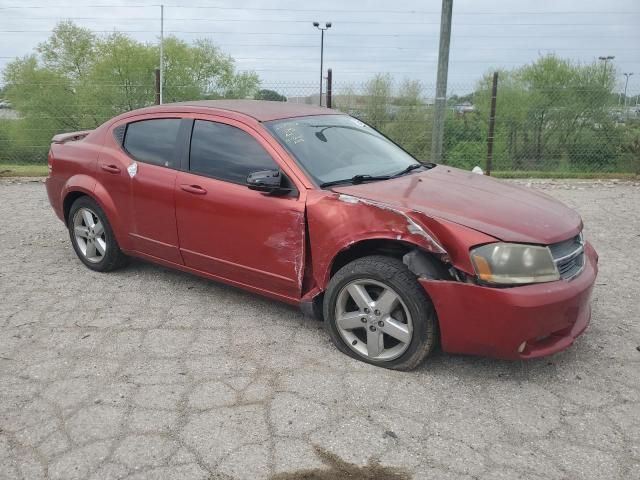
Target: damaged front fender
x=338, y=221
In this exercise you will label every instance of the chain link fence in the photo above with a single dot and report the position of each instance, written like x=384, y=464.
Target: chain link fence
x=539, y=131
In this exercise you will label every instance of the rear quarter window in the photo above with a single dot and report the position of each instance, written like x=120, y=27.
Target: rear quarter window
x=153, y=141
x=118, y=133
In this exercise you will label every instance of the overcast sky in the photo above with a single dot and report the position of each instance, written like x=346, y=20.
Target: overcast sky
x=277, y=40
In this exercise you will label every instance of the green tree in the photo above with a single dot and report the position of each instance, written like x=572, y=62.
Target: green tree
x=271, y=95
x=119, y=78
x=69, y=50
x=242, y=85
x=513, y=104
x=553, y=114
x=412, y=120
x=378, y=99
x=347, y=101
x=77, y=80
x=47, y=104
x=631, y=150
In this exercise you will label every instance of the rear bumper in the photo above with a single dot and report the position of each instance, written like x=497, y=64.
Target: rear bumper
x=495, y=322
x=53, y=186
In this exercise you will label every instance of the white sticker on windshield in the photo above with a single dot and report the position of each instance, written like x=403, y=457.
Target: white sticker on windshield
x=132, y=169
x=358, y=122
x=290, y=133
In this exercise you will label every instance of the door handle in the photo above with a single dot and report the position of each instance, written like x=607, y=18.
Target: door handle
x=110, y=168
x=196, y=189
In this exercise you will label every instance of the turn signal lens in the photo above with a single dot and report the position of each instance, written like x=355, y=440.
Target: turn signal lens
x=482, y=267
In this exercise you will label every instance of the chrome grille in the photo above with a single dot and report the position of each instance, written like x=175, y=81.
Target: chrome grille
x=569, y=256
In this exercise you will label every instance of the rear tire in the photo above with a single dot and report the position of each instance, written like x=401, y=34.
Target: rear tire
x=376, y=311
x=92, y=237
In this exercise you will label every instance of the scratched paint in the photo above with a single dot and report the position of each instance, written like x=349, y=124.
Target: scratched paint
x=290, y=244
x=412, y=226
x=336, y=222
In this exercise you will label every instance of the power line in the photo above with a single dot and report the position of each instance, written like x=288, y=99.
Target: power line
x=396, y=47
x=399, y=35
x=204, y=19
x=391, y=22
x=316, y=10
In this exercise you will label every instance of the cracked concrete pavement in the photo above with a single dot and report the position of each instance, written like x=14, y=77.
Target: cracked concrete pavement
x=151, y=373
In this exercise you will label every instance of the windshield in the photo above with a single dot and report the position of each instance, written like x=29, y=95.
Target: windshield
x=336, y=147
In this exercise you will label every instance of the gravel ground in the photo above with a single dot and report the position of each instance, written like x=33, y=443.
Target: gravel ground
x=150, y=373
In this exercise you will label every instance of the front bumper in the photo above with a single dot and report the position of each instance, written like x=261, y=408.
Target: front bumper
x=495, y=322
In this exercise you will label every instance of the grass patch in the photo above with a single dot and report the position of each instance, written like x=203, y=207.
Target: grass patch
x=17, y=170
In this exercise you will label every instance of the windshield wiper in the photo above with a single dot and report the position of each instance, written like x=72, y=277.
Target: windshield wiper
x=355, y=180
x=412, y=167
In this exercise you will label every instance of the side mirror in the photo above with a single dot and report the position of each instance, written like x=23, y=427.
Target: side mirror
x=269, y=181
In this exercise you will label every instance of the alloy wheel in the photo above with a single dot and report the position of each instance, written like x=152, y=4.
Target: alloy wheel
x=89, y=235
x=373, y=320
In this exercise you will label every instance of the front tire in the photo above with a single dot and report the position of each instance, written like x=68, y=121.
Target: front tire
x=92, y=237
x=376, y=311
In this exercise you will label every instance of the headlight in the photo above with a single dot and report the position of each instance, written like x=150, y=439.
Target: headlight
x=514, y=264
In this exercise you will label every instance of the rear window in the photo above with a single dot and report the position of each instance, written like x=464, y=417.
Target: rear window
x=153, y=141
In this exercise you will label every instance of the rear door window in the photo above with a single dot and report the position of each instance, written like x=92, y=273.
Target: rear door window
x=154, y=141
x=226, y=153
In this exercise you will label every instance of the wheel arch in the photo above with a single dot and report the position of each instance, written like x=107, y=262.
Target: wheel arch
x=419, y=260
x=102, y=197
x=74, y=188
x=69, y=199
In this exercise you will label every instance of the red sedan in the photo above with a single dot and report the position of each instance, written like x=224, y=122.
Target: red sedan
x=315, y=208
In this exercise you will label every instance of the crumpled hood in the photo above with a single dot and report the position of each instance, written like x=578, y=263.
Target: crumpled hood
x=504, y=211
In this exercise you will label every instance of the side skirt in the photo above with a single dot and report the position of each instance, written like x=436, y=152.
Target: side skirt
x=210, y=276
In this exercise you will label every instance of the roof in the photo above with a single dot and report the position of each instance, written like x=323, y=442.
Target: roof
x=261, y=110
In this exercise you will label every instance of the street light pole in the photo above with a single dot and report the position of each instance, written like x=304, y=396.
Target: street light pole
x=626, y=83
x=605, y=59
x=327, y=26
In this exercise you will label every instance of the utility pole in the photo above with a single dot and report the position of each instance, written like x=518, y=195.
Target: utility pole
x=327, y=26
x=161, y=50
x=440, y=103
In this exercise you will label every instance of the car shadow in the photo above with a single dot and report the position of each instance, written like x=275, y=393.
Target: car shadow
x=477, y=369
x=209, y=287
x=467, y=368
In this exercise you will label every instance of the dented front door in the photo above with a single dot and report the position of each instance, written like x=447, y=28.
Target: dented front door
x=241, y=235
